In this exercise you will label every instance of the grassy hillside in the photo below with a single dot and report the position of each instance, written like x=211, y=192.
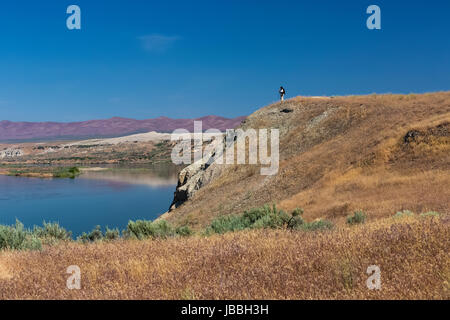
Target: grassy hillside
x=411, y=252
x=370, y=156
x=377, y=153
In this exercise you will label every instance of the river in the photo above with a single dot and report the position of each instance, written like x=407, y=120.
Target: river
x=106, y=198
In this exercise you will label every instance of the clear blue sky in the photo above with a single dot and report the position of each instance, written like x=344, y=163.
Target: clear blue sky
x=143, y=59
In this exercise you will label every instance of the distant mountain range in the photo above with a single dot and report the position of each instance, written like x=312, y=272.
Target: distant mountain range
x=114, y=127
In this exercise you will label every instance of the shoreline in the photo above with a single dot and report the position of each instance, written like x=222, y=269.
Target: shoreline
x=70, y=172
x=49, y=172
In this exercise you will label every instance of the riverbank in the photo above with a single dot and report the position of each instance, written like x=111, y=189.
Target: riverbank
x=48, y=172
x=43, y=172
x=85, y=153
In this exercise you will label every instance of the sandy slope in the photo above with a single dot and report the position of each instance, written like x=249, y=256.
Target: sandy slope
x=141, y=137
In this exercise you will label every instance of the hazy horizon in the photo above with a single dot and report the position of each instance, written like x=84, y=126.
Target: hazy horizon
x=126, y=118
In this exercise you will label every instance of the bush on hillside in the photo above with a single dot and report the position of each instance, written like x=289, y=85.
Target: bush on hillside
x=93, y=236
x=357, y=218
x=430, y=214
x=144, y=229
x=296, y=219
x=404, y=213
x=317, y=225
x=184, y=231
x=52, y=231
x=111, y=234
x=273, y=220
x=16, y=237
x=228, y=223
x=256, y=218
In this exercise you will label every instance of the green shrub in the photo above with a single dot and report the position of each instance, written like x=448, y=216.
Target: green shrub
x=162, y=229
x=52, y=231
x=404, y=213
x=297, y=212
x=227, y=223
x=296, y=219
x=251, y=216
x=112, y=234
x=295, y=222
x=143, y=229
x=16, y=237
x=430, y=214
x=264, y=217
x=95, y=235
x=184, y=231
x=273, y=220
x=71, y=173
x=316, y=225
x=139, y=229
x=357, y=217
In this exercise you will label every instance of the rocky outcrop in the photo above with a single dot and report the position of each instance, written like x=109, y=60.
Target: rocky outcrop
x=196, y=176
x=203, y=172
x=11, y=153
x=191, y=179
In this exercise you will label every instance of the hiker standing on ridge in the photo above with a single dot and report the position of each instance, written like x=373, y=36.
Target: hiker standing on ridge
x=282, y=93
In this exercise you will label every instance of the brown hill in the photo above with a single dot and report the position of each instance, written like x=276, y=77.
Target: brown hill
x=377, y=153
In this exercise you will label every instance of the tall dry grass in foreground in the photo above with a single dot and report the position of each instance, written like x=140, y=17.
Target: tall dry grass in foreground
x=412, y=253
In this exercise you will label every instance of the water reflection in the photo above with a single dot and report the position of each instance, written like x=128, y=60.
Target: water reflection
x=107, y=198
x=132, y=177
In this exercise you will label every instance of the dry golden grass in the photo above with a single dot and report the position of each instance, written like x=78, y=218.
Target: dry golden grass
x=412, y=253
x=375, y=192
x=338, y=155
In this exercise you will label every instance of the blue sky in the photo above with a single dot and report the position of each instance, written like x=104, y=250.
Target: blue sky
x=144, y=59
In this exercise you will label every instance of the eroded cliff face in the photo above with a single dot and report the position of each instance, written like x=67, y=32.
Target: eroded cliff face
x=191, y=179
x=203, y=172
x=199, y=174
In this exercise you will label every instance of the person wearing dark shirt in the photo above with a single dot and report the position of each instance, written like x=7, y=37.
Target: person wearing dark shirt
x=282, y=93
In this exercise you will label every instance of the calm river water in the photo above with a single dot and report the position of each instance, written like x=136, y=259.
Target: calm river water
x=106, y=198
